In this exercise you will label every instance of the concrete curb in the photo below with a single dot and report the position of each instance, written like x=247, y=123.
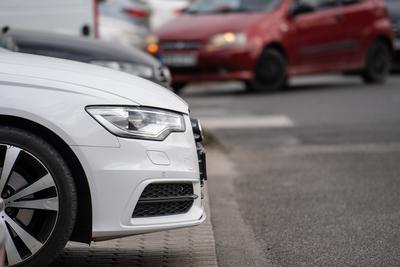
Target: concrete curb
x=235, y=240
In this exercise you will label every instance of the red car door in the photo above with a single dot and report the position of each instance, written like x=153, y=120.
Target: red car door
x=318, y=41
x=360, y=17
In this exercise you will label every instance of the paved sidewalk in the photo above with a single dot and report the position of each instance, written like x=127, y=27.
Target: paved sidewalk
x=193, y=246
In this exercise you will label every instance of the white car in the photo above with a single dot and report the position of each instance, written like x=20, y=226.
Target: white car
x=89, y=153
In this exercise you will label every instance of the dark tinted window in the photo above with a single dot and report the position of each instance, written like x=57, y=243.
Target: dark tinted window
x=351, y=2
x=225, y=6
x=320, y=4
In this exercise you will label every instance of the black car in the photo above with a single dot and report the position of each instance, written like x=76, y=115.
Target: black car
x=127, y=59
x=393, y=7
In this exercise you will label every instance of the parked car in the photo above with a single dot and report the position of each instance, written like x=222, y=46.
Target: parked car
x=165, y=10
x=74, y=17
x=130, y=60
x=124, y=21
x=263, y=42
x=89, y=153
x=122, y=32
x=394, y=12
x=135, y=11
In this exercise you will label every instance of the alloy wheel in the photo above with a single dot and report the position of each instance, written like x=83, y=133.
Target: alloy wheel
x=29, y=203
x=380, y=65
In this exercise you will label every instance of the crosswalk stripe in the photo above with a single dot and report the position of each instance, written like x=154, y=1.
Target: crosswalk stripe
x=242, y=122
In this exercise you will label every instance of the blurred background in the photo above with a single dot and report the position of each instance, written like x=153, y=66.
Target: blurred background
x=299, y=98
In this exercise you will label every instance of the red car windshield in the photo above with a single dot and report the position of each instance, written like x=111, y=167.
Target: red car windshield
x=228, y=6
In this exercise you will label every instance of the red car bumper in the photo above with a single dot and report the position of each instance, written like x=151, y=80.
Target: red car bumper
x=215, y=65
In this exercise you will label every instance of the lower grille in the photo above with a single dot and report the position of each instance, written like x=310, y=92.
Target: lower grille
x=161, y=209
x=162, y=199
x=167, y=190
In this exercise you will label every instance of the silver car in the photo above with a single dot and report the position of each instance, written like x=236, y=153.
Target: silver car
x=125, y=21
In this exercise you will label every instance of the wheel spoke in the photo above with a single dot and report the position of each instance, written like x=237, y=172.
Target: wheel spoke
x=23, y=193
x=12, y=254
x=30, y=242
x=9, y=161
x=40, y=204
x=41, y=184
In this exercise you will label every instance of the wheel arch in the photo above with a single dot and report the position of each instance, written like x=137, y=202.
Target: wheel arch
x=278, y=47
x=386, y=40
x=83, y=225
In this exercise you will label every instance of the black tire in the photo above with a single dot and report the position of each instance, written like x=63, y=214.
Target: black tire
x=177, y=87
x=378, y=63
x=270, y=73
x=63, y=220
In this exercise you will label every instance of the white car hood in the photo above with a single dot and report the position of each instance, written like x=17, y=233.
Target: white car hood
x=92, y=80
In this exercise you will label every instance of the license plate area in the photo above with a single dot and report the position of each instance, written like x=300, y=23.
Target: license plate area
x=180, y=60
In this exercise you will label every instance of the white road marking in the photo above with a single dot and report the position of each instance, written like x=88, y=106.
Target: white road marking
x=210, y=112
x=243, y=122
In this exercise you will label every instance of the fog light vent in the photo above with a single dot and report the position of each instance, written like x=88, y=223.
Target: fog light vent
x=162, y=199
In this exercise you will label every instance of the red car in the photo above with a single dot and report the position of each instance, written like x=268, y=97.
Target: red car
x=263, y=42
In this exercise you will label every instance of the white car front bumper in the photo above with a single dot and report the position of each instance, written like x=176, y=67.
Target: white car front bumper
x=118, y=176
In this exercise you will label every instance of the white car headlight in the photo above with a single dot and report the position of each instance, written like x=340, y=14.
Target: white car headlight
x=135, y=69
x=227, y=39
x=138, y=122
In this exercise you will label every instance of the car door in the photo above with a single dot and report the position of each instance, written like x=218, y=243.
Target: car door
x=317, y=40
x=360, y=17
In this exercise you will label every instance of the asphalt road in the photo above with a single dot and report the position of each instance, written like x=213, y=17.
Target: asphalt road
x=305, y=177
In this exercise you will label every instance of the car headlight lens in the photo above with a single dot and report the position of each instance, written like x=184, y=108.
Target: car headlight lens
x=135, y=69
x=138, y=122
x=227, y=39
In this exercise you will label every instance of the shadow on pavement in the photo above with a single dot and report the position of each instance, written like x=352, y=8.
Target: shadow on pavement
x=216, y=91
x=321, y=86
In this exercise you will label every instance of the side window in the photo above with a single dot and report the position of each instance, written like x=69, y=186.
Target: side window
x=324, y=4
x=320, y=4
x=310, y=3
x=350, y=2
